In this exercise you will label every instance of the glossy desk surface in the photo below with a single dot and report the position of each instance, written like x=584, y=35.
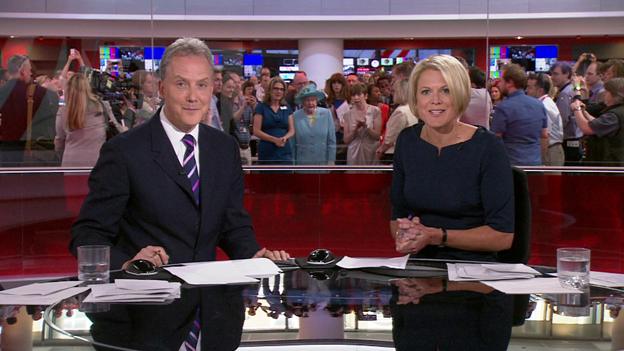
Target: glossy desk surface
x=426, y=313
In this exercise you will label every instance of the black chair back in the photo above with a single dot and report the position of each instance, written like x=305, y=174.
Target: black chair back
x=521, y=246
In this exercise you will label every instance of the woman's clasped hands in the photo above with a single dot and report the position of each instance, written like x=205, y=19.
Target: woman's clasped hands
x=412, y=236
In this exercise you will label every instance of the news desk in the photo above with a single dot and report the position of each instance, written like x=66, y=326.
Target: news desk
x=341, y=309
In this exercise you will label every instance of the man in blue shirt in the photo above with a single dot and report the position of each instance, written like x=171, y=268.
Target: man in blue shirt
x=520, y=120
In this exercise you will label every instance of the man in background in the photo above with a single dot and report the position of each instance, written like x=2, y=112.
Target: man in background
x=27, y=118
x=520, y=120
x=538, y=86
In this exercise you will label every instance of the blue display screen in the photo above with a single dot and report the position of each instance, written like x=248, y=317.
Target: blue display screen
x=157, y=52
x=546, y=51
x=252, y=59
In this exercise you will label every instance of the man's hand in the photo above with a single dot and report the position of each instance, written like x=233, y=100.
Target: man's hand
x=155, y=254
x=276, y=255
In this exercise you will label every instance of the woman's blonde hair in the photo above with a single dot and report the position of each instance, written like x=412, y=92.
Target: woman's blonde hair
x=78, y=95
x=455, y=75
x=401, y=91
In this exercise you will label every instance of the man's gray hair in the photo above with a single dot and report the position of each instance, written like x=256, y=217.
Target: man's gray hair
x=184, y=47
x=15, y=63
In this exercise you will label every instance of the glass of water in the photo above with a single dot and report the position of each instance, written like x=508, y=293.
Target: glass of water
x=93, y=263
x=573, y=265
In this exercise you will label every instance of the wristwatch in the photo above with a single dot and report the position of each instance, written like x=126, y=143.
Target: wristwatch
x=444, y=238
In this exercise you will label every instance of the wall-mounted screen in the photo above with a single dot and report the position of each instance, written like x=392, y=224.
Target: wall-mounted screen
x=287, y=76
x=533, y=58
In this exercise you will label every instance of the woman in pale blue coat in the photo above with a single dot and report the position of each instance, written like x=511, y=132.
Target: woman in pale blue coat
x=314, y=142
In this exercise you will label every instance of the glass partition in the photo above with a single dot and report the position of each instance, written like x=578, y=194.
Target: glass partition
x=122, y=71
x=323, y=187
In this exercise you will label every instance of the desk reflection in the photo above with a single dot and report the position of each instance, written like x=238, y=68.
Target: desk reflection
x=165, y=327
x=424, y=317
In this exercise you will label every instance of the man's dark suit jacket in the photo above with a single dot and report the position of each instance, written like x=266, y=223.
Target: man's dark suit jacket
x=139, y=196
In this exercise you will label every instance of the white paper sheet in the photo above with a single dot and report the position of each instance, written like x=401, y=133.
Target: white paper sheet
x=137, y=290
x=373, y=262
x=611, y=280
x=111, y=290
x=119, y=299
x=41, y=288
x=341, y=111
x=531, y=286
x=145, y=284
x=225, y=272
x=478, y=271
x=6, y=299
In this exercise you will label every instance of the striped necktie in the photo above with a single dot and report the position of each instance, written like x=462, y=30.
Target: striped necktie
x=190, y=165
x=190, y=344
x=190, y=168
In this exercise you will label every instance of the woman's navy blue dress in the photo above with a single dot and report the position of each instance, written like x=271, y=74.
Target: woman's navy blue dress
x=274, y=124
x=466, y=185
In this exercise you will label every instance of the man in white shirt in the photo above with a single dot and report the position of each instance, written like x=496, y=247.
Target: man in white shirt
x=538, y=86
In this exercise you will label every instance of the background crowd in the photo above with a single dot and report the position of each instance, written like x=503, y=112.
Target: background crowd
x=571, y=115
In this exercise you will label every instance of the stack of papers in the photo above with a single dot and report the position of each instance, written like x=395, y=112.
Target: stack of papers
x=494, y=271
x=40, y=293
x=131, y=290
x=225, y=272
x=370, y=262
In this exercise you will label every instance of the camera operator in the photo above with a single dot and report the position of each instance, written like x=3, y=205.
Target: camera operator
x=606, y=133
x=141, y=100
x=81, y=124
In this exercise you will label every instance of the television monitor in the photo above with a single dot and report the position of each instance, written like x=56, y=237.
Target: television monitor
x=362, y=61
x=348, y=61
x=153, y=53
x=132, y=58
x=533, y=58
x=287, y=76
x=108, y=53
x=289, y=68
x=544, y=64
x=426, y=53
x=232, y=60
x=348, y=69
x=252, y=70
x=252, y=59
x=217, y=59
x=289, y=61
x=387, y=61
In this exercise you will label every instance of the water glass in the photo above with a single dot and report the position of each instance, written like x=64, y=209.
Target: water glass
x=93, y=263
x=573, y=265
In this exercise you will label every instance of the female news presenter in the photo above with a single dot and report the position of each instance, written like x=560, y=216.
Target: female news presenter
x=452, y=187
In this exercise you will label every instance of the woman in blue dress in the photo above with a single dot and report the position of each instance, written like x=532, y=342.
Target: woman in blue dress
x=274, y=125
x=315, y=139
x=452, y=189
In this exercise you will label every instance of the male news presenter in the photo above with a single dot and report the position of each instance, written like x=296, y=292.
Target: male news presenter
x=171, y=190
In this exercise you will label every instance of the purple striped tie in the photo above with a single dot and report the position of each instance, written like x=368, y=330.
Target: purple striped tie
x=190, y=344
x=190, y=165
x=190, y=168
